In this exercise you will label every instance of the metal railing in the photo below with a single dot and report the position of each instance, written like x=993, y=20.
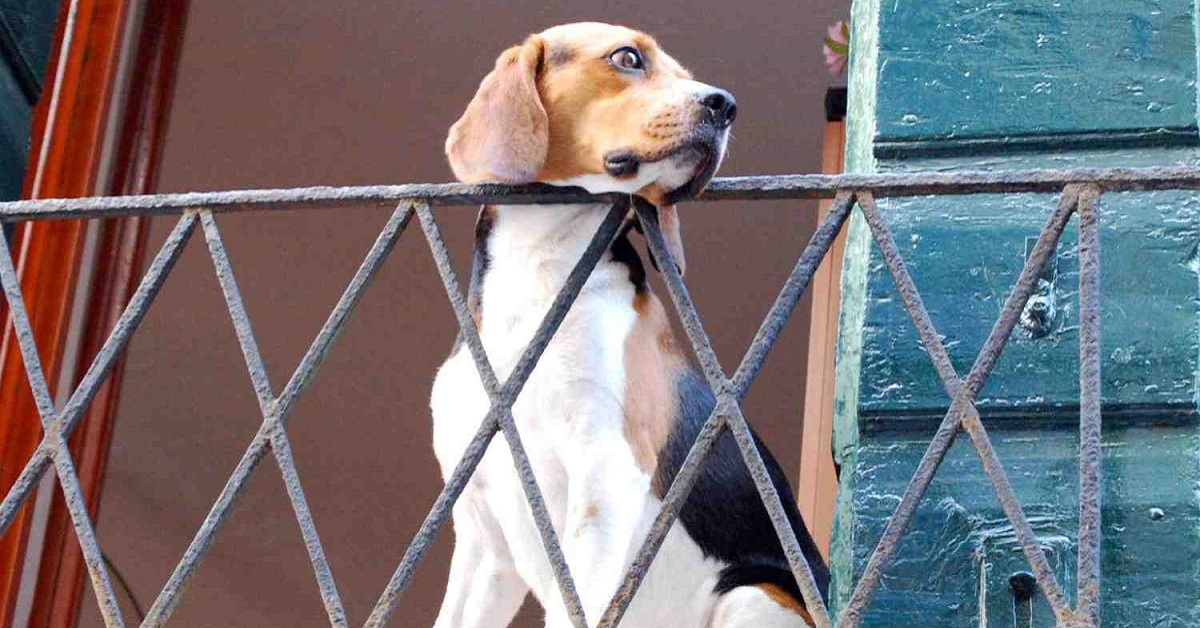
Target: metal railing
x=1079, y=191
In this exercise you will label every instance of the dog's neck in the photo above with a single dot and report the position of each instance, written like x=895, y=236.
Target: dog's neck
x=527, y=252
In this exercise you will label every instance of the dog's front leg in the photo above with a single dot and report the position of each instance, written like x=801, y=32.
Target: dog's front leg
x=484, y=590
x=606, y=499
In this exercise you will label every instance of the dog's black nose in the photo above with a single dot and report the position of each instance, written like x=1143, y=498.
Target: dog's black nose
x=720, y=107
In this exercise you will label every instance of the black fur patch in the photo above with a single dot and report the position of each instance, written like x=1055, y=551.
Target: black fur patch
x=724, y=514
x=623, y=253
x=481, y=261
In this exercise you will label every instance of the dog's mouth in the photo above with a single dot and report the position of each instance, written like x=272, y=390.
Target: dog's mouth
x=686, y=167
x=705, y=159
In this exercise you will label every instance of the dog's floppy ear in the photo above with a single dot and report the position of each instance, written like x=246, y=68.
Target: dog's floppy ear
x=503, y=136
x=668, y=223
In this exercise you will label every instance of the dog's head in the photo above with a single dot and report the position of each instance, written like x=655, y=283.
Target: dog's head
x=598, y=106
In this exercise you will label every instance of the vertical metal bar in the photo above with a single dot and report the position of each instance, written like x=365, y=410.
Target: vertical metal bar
x=963, y=405
x=723, y=389
x=274, y=411
x=533, y=493
x=272, y=425
x=672, y=503
x=709, y=364
x=801, y=570
x=1090, y=464
x=24, y=333
x=437, y=516
x=156, y=275
x=172, y=592
x=29, y=479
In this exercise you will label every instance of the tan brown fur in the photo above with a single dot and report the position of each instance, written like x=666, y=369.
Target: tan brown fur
x=554, y=106
x=588, y=103
x=502, y=136
x=652, y=364
x=784, y=599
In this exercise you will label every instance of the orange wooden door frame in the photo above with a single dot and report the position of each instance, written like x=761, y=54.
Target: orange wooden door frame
x=818, y=476
x=87, y=96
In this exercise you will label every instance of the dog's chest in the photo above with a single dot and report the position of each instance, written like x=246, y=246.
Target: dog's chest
x=580, y=377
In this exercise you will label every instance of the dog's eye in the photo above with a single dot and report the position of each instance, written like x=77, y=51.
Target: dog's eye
x=627, y=59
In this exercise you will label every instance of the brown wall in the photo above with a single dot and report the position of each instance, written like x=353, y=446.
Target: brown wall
x=305, y=92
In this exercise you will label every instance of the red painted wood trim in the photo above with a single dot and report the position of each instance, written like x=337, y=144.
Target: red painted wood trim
x=121, y=250
x=49, y=254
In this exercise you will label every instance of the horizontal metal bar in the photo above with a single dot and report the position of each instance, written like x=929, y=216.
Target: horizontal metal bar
x=793, y=186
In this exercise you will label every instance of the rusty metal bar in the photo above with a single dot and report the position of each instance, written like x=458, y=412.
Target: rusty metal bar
x=171, y=594
x=55, y=445
x=319, y=349
x=672, y=503
x=66, y=420
x=381, y=614
x=776, y=187
x=1082, y=189
x=1087, y=607
x=237, y=312
x=793, y=289
x=85, y=532
x=272, y=425
x=962, y=409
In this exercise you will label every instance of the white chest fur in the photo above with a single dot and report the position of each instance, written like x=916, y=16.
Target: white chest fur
x=570, y=417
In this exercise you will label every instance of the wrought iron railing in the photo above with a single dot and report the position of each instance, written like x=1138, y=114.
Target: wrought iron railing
x=1079, y=191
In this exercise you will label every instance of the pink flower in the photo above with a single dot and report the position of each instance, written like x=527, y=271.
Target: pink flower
x=837, y=47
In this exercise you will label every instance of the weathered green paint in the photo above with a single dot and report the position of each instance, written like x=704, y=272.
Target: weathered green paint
x=966, y=85
x=953, y=569
x=860, y=131
x=26, y=35
x=965, y=254
x=1035, y=68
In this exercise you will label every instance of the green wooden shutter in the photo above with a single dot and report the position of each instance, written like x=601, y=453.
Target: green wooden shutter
x=26, y=34
x=985, y=85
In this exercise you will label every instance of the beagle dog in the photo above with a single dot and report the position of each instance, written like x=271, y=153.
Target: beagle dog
x=610, y=412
